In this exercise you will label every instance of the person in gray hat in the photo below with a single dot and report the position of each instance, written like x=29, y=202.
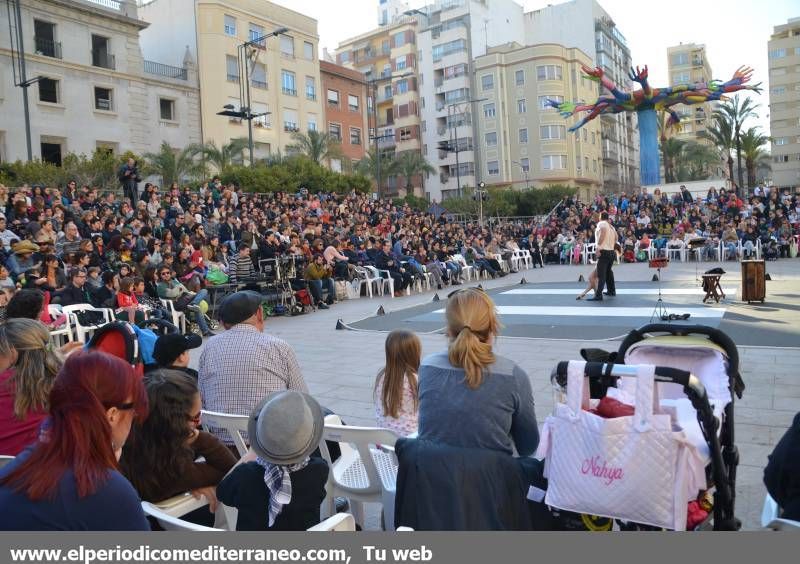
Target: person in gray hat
x=243, y=364
x=280, y=484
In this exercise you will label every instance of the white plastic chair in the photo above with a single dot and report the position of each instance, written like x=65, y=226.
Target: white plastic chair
x=5, y=459
x=235, y=425
x=679, y=252
x=178, y=317
x=55, y=311
x=467, y=270
x=363, y=473
x=388, y=281
x=589, y=251
x=527, y=258
x=180, y=505
x=339, y=523
x=372, y=283
x=82, y=331
x=170, y=523
x=771, y=519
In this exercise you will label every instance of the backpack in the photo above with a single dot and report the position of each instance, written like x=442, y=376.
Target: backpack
x=303, y=297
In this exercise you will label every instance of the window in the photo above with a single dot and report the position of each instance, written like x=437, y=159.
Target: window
x=262, y=120
x=353, y=103
x=308, y=51
x=543, y=105
x=525, y=164
x=493, y=168
x=387, y=92
x=521, y=106
x=586, y=163
x=488, y=111
x=491, y=139
x=287, y=46
x=519, y=77
x=487, y=82
x=444, y=49
x=255, y=32
x=400, y=63
x=455, y=71
x=51, y=152
x=554, y=162
x=344, y=57
x=44, y=37
x=523, y=135
x=290, y=120
x=102, y=99
x=405, y=134
x=681, y=78
x=232, y=68
x=166, y=109
x=287, y=82
x=258, y=79
x=594, y=165
x=402, y=86
x=548, y=72
x=552, y=132
x=777, y=53
x=48, y=90
x=594, y=137
x=585, y=136
x=311, y=88
x=781, y=141
x=459, y=95
x=335, y=131
x=355, y=136
x=101, y=52
x=312, y=122
x=230, y=25
x=680, y=59
x=778, y=90
x=333, y=98
x=399, y=39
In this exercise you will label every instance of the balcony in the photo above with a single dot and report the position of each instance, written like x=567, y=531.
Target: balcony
x=441, y=130
x=151, y=67
x=289, y=91
x=103, y=59
x=290, y=127
x=47, y=47
x=233, y=78
x=258, y=84
x=444, y=177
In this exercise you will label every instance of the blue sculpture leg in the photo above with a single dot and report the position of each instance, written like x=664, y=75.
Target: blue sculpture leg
x=649, y=163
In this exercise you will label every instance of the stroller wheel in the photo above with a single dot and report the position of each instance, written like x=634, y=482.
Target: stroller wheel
x=213, y=324
x=595, y=523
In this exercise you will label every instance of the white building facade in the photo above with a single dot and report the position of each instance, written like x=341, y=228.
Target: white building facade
x=95, y=90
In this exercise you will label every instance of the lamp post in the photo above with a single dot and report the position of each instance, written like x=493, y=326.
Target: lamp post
x=525, y=172
x=481, y=195
x=375, y=137
x=18, y=67
x=455, y=140
x=245, y=109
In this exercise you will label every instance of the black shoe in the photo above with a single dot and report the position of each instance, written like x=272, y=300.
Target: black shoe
x=595, y=299
x=322, y=305
x=610, y=293
x=330, y=301
x=341, y=504
x=438, y=286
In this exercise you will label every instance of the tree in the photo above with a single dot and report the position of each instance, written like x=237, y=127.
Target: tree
x=754, y=154
x=377, y=169
x=319, y=147
x=721, y=135
x=696, y=159
x=410, y=164
x=220, y=157
x=736, y=112
x=671, y=152
x=172, y=165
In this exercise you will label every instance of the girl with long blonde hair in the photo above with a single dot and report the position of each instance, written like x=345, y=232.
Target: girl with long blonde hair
x=469, y=396
x=396, y=389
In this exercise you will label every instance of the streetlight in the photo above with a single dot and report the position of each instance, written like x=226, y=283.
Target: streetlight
x=481, y=195
x=525, y=172
x=375, y=137
x=457, y=149
x=245, y=110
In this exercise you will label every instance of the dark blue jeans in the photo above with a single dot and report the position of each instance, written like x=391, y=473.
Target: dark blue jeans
x=316, y=287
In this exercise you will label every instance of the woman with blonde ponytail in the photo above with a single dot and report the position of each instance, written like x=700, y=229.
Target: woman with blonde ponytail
x=469, y=396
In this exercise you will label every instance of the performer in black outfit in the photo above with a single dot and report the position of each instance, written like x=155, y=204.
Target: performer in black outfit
x=606, y=239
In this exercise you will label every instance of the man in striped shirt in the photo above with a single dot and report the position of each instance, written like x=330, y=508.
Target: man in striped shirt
x=241, y=266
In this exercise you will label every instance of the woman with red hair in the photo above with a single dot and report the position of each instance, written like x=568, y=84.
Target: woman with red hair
x=70, y=479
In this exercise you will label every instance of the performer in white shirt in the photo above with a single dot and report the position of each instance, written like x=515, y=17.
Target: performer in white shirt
x=606, y=238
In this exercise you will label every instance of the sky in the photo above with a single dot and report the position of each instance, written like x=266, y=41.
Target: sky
x=735, y=32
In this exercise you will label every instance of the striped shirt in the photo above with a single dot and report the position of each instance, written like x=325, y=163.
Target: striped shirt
x=240, y=267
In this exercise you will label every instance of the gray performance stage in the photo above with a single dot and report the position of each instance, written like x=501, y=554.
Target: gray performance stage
x=550, y=311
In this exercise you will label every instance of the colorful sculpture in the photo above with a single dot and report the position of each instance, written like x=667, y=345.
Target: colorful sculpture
x=646, y=102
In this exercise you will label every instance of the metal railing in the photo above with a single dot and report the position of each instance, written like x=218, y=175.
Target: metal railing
x=258, y=83
x=160, y=69
x=103, y=59
x=233, y=78
x=289, y=91
x=47, y=47
x=311, y=95
x=112, y=4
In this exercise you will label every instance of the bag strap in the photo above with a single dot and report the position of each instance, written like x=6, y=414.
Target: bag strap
x=576, y=372
x=645, y=390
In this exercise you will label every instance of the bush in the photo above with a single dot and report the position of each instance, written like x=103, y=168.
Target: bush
x=292, y=173
x=99, y=170
x=414, y=202
x=505, y=202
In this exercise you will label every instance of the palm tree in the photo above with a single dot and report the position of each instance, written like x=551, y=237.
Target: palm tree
x=317, y=146
x=696, y=158
x=736, y=111
x=173, y=165
x=410, y=164
x=721, y=135
x=377, y=169
x=754, y=155
x=220, y=157
x=671, y=151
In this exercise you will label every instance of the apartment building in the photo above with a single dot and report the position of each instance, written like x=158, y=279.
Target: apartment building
x=687, y=63
x=453, y=34
x=388, y=58
x=524, y=142
x=345, y=92
x=784, y=103
x=283, y=71
x=586, y=25
x=96, y=91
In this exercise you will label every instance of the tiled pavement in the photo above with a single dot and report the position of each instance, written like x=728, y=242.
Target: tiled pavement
x=340, y=366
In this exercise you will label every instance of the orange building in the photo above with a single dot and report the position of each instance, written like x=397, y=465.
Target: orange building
x=345, y=107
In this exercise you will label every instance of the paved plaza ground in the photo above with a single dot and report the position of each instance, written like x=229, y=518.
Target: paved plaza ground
x=340, y=366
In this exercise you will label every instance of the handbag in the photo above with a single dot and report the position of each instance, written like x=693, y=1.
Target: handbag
x=183, y=301
x=634, y=468
x=90, y=317
x=341, y=289
x=353, y=289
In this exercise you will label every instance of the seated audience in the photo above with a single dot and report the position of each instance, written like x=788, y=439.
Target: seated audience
x=69, y=479
x=318, y=274
x=279, y=485
x=395, y=395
